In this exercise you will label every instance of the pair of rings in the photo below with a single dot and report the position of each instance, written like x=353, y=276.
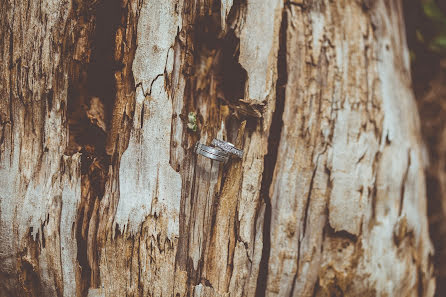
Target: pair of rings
x=220, y=151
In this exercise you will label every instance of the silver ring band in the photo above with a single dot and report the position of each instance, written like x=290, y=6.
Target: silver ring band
x=227, y=147
x=211, y=152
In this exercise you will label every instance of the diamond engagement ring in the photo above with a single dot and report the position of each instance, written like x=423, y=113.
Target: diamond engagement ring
x=227, y=147
x=211, y=152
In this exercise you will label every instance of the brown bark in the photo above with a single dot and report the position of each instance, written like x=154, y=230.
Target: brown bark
x=102, y=194
x=340, y=159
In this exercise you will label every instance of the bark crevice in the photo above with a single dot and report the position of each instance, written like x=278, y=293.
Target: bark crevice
x=271, y=156
x=92, y=93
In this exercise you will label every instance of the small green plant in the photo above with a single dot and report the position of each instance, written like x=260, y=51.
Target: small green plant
x=192, y=121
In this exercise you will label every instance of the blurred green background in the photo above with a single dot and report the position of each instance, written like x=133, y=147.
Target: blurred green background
x=426, y=37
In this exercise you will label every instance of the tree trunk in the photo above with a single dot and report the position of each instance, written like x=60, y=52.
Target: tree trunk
x=101, y=193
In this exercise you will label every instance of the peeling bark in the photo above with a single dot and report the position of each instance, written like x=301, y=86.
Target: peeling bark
x=102, y=194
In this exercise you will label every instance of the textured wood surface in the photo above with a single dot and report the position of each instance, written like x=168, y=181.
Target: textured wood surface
x=347, y=206
x=102, y=195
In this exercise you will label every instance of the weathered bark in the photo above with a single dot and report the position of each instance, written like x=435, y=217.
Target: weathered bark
x=102, y=195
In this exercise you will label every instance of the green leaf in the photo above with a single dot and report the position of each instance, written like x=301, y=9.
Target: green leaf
x=438, y=44
x=440, y=41
x=432, y=11
x=419, y=36
x=413, y=56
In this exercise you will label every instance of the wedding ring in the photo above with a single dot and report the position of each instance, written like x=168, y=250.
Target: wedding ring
x=211, y=152
x=227, y=147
